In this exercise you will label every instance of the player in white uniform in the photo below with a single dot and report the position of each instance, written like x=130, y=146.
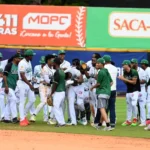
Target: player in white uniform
x=95, y=55
x=91, y=75
x=142, y=93
x=47, y=74
x=2, y=103
x=65, y=64
x=25, y=86
x=144, y=65
x=76, y=93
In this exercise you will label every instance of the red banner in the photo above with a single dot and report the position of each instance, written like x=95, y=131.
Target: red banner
x=42, y=25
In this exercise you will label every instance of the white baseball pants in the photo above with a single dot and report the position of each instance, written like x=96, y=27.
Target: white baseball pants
x=131, y=100
x=2, y=103
x=142, y=104
x=148, y=102
x=75, y=93
x=58, y=100
x=25, y=92
x=10, y=109
x=43, y=91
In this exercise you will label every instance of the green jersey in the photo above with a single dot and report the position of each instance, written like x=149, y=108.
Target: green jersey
x=11, y=72
x=130, y=75
x=59, y=79
x=104, y=79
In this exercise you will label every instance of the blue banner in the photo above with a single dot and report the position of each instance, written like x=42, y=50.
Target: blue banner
x=117, y=57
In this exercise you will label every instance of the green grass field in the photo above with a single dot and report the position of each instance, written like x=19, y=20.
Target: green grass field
x=40, y=126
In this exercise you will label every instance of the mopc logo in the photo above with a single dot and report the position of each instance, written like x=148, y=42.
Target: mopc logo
x=129, y=24
x=46, y=21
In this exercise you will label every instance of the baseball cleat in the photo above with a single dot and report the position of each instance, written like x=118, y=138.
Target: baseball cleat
x=134, y=123
x=104, y=124
x=51, y=122
x=7, y=121
x=147, y=128
x=108, y=129
x=58, y=125
x=83, y=121
x=45, y=120
x=33, y=118
x=126, y=123
x=15, y=120
x=142, y=125
x=23, y=123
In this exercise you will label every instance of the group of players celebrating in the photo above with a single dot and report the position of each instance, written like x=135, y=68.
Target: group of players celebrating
x=86, y=90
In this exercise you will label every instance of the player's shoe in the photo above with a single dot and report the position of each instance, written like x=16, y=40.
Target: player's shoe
x=83, y=121
x=108, y=129
x=15, y=120
x=7, y=121
x=27, y=121
x=104, y=124
x=142, y=125
x=45, y=120
x=147, y=128
x=134, y=122
x=126, y=123
x=23, y=123
x=52, y=122
x=58, y=125
x=33, y=118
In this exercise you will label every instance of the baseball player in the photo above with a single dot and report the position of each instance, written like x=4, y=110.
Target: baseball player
x=25, y=87
x=112, y=100
x=132, y=81
x=9, y=86
x=58, y=92
x=47, y=74
x=91, y=75
x=65, y=64
x=144, y=65
x=103, y=92
x=142, y=94
x=37, y=80
x=76, y=93
x=2, y=103
x=95, y=55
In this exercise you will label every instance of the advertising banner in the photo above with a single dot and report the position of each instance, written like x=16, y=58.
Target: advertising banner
x=118, y=28
x=42, y=25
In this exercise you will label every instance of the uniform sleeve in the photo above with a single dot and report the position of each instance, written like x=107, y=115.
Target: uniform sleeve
x=135, y=74
x=21, y=67
x=100, y=76
x=7, y=69
x=46, y=75
x=56, y=77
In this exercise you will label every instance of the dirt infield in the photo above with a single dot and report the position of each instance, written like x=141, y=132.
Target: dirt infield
x=24, y=140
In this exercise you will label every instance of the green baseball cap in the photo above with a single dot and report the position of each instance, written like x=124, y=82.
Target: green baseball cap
x=134, y=60
x=101, y=60
x=42, y=60
x=107, y=58
x=126, y=62
x=144, y=61
x=61, y=52
x=29, y=52
x=18, y=56
x=81, y=62
x=54, y=54
x=1, y=55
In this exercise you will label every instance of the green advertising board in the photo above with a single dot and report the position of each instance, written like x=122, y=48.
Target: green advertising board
x=120, y=28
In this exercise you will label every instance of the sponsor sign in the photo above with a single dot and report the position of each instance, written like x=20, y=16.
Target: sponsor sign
x=129, y=24
x=42, y=25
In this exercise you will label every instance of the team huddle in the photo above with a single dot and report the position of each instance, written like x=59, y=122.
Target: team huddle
x=87, y=91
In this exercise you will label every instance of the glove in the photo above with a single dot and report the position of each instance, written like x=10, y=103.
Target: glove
x=50, y=101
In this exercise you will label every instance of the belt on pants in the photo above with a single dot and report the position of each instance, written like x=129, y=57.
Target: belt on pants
x=46, y=84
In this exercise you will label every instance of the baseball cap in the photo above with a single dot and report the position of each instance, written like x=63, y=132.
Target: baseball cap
x=1, y=55
x=82, y=62
x=18, y=56
x=61, y=52
x=101, y=60
x=54, y=54
x=134, y=60
x=107, y=58
x=57, y=60
x=144, y=61
x=42, y=60
x=126, y=62
x=29, y=52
